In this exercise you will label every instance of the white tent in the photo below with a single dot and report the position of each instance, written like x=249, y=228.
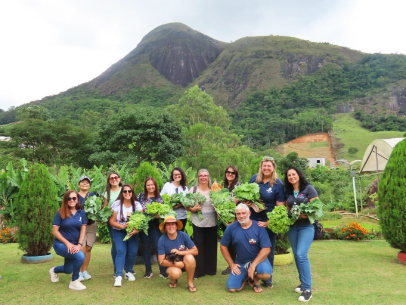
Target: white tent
x=377, y=154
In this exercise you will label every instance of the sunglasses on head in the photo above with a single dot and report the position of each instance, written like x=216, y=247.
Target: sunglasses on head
x=230, y=173
x=127, y=191
x=266, y=158
x=72, y=198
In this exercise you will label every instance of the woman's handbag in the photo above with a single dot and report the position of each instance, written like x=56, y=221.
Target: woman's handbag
x=319, y=231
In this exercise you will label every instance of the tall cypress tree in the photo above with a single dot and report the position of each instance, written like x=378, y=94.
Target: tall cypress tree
x=36, y=208
x=392, y=198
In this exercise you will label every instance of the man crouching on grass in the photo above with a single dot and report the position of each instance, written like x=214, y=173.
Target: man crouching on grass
x=176, y=251
x=252, y=246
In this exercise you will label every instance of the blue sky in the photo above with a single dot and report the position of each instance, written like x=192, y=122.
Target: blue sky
x=49, y=46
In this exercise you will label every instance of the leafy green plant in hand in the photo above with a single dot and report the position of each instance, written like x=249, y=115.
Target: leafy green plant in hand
x=278, y=220
x=94, y=211
x=166, y=198
x=191, y=199
x=153, y=208
x=224, y=205
x=139, y=222
x=295, y=212
x=313, y=209
x=176, y=199
x=248, y=192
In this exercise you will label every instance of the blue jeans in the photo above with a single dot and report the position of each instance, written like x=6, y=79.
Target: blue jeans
x=153, y=235
x=72, y=263
x=236, y=281
x=113, y=245
x=301, y=238
x=271, y=255
x=126, y=251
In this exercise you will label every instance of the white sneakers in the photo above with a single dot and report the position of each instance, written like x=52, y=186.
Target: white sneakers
x=129, y=276
x=76, y=285
x=54, y=276
x=117, y=281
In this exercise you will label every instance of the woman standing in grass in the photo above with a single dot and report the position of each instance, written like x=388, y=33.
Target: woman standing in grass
x=177, y=185
x=301, y=233
x=151, y=194
x=69, y=229
x=272, y=194
x=230, y=181
x=205, y=230
x=113, y=189
x=91, y=228
x=126, y=250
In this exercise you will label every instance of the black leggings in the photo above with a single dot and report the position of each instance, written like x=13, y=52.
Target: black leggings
x=205, y=240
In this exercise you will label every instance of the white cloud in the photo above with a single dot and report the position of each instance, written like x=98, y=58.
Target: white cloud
x=51, y=46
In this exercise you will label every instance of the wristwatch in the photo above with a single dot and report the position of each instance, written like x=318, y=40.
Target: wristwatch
x=80, y=244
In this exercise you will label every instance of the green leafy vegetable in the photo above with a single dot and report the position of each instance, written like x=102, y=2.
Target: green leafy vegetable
x=139, y=222
x=161, y=209
x=191, y=199
x=312, y=209
x=176, y=199
x=224, y=205
x=94, y=211
x=166, y=198
x=249, y=192
x=279, y=221
x=295, y=211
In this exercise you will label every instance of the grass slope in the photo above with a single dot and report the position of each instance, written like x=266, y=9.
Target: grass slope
x=348, y=131
x=343, y=273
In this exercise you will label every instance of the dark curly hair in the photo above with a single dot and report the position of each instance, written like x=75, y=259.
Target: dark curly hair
x=302, y=181
x=235, y=181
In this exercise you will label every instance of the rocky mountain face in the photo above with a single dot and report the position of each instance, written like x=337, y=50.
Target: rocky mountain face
x=173, y=51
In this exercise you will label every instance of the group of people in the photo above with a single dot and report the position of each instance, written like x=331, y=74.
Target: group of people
x=247, y=244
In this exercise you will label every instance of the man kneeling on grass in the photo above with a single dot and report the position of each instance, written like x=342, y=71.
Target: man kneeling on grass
x=252, y=246
x=176, y=251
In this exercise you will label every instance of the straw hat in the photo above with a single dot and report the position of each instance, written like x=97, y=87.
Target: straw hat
x=170, y=218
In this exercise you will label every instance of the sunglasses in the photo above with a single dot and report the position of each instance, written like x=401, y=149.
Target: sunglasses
x=266, y=158
x=127, y=191
x=72, y=198
x=114, y=178
x=230, y=173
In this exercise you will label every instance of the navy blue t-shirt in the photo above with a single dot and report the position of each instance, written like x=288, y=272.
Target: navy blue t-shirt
x=246, y=242
x=269, y=195
x=181, y=242
x=70, y=227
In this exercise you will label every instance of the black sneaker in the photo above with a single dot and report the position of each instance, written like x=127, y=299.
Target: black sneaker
x=226, y=271
x=298, y=289
x=164, y=275
x=148, y=274
x=305, y=296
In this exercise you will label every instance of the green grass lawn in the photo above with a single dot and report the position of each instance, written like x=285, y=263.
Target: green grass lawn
x=350, y=132
x=344, y=272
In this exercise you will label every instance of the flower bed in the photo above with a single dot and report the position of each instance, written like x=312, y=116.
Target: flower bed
x=7, y=235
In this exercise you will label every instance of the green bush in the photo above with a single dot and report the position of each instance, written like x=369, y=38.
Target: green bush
x=282, y=244
x=392, y=202
x=145, y=171
x=103, y=233
x=36, y=207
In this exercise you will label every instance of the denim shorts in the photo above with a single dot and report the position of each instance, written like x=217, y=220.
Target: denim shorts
x=236, y=281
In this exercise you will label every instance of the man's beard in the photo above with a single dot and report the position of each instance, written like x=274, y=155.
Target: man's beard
x=244, y=222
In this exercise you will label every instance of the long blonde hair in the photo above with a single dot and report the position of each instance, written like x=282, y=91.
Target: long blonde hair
x=274, y=175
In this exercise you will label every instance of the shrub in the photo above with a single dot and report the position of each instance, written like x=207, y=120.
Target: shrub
x=145, y=171
x=351, y=231
x=282, y=244
x=392, y=194
x=103, y=233
x=36, y=208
